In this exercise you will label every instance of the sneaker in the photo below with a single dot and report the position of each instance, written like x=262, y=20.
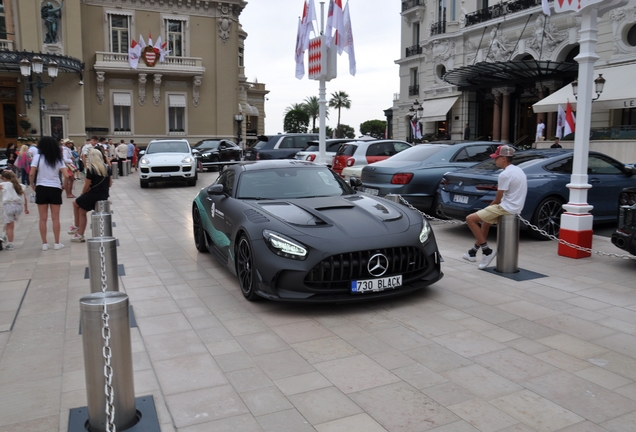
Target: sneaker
x=58, y=246
x=487, y=259
x=78, y=238
x=73, y=229
x=9, y=247
x=45, y=247
x=4, y=237
x=469, y=257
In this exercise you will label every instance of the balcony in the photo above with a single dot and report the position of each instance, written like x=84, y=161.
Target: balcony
x=499, y=10
x=408, y=4
x=438, y=28
x=6, y=45
x=174, y=66
x=413, y=50
x=414, y=90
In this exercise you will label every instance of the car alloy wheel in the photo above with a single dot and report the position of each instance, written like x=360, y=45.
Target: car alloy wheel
x=197, y=231
x=245, y=268
x=548, y=217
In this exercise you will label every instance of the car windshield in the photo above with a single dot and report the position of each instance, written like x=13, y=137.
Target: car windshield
x=489, y=165
x=207, y=145
x=168, y=147
x=293, y=182
x=417, y=153
x=261, y=142
x=311, y=148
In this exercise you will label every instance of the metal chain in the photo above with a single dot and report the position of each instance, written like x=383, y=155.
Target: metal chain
x=533, y=227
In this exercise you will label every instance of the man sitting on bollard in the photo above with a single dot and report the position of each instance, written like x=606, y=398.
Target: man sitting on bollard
x=512, y=187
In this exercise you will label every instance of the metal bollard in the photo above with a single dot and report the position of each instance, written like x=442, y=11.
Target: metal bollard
x=110, y=263
x=129, y=163
x=114, y=167
x=123, y=388
x=125, y=169
x=96, y=224
x=102, y=206
x=508, y=244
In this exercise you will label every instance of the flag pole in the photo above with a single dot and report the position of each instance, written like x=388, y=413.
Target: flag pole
x=322, y=102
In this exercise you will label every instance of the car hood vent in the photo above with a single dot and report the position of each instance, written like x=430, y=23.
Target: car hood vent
x=255, y=217
x=292, y=214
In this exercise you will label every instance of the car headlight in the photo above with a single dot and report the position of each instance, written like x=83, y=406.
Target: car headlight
x=187, y=159
x=144, y=161
x=284, y=246
x=426, y=230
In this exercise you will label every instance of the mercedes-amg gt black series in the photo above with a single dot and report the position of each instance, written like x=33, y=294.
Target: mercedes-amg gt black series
x=294, y=231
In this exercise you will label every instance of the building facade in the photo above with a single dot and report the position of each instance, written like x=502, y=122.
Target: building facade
x=189, y=81
x=485, y=66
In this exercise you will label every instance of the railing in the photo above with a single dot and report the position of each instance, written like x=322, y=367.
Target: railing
x=408, y=4
x=111, y=59
x=6, y=45
x=413, y=50
x=498, y=10
x=414, y=90
x=438, y=28
x=627, y=132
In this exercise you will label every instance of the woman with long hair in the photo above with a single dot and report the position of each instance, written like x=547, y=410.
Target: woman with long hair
x=96, y=188
x=48, y=174
x=23, y=163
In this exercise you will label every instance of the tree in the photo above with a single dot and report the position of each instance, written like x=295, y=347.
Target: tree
x=296, y=121
x=374, y=128
x=339, y=100
x=345, y=131
x=294, y=106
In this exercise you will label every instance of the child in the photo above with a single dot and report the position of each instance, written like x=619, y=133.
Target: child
x=12, y=197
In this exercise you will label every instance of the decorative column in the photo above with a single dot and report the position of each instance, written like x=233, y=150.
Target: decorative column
x=101, y=77
x=505, y=115
x=196, y=85
x=496, y=117
x=157, y=89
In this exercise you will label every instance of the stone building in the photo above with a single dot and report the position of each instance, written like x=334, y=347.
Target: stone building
x=193, y=91
x=487, y=65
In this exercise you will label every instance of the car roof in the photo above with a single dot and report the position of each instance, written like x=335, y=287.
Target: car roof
x=274, y=163
x=169, y=140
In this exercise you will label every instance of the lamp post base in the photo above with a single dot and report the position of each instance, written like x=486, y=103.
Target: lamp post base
x=577, y=230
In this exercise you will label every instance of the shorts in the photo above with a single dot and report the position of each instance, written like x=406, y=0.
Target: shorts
x=492, y=213
x=48, y=195
x=11, y=210
x=88, y=200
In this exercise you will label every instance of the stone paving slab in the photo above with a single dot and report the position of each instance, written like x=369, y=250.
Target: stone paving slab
x=474, y=352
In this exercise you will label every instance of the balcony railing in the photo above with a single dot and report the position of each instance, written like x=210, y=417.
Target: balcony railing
x=414, y=90
x=438, y=28
x=413, y=50
x=408, y=4
x=6, y=45
x=118, y=62
x=499, y=10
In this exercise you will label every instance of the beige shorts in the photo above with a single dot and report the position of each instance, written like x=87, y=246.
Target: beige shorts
x=492, y=213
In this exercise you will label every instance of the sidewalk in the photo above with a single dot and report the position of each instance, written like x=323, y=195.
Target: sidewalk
x=474, y=352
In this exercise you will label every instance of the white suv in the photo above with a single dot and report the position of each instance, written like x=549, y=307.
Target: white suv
x=167, y=160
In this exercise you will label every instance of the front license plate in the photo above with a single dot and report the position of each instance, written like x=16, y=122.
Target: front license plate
x=371, y=191
x=379, y=284
x=165, y=175
x=460, y=199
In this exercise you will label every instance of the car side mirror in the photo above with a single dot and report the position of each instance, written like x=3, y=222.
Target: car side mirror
x=215, y=189
x=355, y=182
x=630, y=169
x=142, y=152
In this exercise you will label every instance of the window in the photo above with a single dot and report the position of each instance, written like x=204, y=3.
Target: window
x=176, y=113
x=119, y=33
x=3, y=21
x=628, y=117
x=175, y=36
x=416, y=33
x=631, y=36
x=474, y=154
x=121, y=112
x=240, y=57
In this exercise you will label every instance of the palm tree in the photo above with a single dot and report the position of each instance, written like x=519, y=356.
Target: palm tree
x=339, y=100
x=295, y=106
x=312, y=108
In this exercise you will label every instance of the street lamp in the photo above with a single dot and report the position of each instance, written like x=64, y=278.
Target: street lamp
x=36, y=66
x=599, y=84
x=238, y=118
x=417, y=112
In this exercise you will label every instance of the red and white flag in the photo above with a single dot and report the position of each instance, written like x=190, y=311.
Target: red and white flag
x=134, y=53
x=546, y=7
x=416, y=129
x=305, y=27
x=299, y=54
x=570, y=120
x=348, y=40
x=335, y=25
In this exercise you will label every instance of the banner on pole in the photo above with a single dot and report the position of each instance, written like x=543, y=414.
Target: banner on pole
x=322, y=60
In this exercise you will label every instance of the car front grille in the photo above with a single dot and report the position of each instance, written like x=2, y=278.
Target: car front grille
x=165, y=169
x=337, y=271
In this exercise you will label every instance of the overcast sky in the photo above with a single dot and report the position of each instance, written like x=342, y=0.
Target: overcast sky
x=269, y=58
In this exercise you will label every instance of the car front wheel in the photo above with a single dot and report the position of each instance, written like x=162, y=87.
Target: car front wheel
x=197, y=231
x=547, y=217
x=245, y=268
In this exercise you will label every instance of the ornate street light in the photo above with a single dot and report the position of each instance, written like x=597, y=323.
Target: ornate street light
x=599, y=85
x=35, y=67
x=416, y=110
x=238, y=118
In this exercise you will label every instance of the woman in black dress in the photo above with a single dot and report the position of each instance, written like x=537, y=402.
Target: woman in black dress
x=11, y=154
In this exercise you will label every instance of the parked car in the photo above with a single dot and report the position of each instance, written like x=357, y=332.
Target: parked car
x=548, y=170
x=281, y=146
x=165, y=160
x=416, y=172
x=310, y=153
x=366, y=152
x=625, y=235
x=211, y=153
x=294, y=231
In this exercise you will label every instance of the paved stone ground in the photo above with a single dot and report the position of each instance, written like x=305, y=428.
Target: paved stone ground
x=474, y=352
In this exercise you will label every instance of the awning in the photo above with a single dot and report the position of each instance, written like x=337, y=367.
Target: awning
x=436, y=109
x=619, y=91
x=121, y=99
x=176, y=100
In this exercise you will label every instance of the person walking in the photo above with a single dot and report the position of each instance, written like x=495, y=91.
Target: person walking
x=96, y=188
x=467, y=132
x=540, y=129
x=67, y=155
x=13, y=197
x=23, y=163
x=122, y=154
x=46, y=168
x=512, y=188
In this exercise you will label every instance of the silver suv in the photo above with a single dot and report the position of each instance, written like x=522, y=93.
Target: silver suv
x=165, y=160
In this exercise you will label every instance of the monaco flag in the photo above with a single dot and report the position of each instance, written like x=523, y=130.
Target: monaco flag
x=134, y=52
x=348, y=41
x=335, y=22
x=546, y=7
x=570, y=120
x=305, y=26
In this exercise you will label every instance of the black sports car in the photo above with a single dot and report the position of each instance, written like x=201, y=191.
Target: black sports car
x=294, y=231
x=211, y=153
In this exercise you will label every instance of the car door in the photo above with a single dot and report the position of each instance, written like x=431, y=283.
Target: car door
x=607, y=180
x=227, y=152
x=218, y=208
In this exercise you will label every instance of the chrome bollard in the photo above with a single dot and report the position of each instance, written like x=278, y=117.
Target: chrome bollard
x=96, y=224
x=393, y=197
x=508, y=244
x=125, y=168
x=123, y=388
x=110, y=263
x=129, y=163
x=114, y=169
x=102, y=206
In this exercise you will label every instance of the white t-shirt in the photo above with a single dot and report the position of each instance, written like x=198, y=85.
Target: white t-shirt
x=48, y=175
x=33, y=150
x=540, y=129
x=86, y=149
x=9, y=194
x=514, y=183
x=67, y=154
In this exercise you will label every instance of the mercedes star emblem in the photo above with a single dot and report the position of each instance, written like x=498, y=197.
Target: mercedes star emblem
x=378, y=265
